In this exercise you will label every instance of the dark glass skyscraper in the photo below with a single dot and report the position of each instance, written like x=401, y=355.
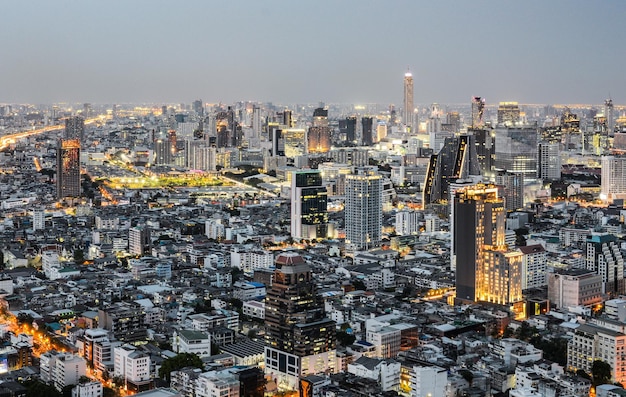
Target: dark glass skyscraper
x=309, y=205
x=456, y=160
x=367, y=124
x=300, y=340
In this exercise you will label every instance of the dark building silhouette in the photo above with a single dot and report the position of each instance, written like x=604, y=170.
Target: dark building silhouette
x=457, y=159
x=367, y=128
x=347, y=129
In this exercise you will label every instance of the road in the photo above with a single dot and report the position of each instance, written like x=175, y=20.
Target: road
x=7, y=140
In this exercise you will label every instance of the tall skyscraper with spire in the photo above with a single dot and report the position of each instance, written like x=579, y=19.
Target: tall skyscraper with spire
x=407, y=111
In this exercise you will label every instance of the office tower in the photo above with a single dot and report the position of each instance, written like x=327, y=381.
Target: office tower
x=513, y=186
x=351, y=156
x=408, y=101
x=364, y=208
x=485, y=269
x=485, y=139
x=516, y=149
x=278, y=143
x=39, y=219
x=294, y=142
x=256, y=121
x=393, y=115
x=75, y=128
x=613, y=181
x=456, y=160
x=508, y=113
x=605, y=258
x=288, y=118
x=198, y=107
x=347, y=129
x=478, y=112
x=163, y=150
x=318, y=136
x=299, y=339
x=548, y=161
x=381, y=131
x=68, y=168
x=367, y=130
x=610, y=116
x=309, y=205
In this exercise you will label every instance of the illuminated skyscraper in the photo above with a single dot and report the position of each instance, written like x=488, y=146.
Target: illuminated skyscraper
x=299, y=339
x=74, y=128
x=318, y=137
x=407, y=111
x=309, y=205
x=613, y=181
x=163, y=150
x=508, y=113
x=485, y=269
x=68, y=168
x=364, y=208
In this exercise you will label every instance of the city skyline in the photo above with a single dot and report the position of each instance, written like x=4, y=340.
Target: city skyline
x=344, y=52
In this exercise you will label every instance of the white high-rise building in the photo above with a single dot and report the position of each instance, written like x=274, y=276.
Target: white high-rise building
x=364, y=208
x=407, y=222
x=217, y=383
x=256, y=121
x=428, y=381
x=548, y=161
x=534, y=266
x=613, y=185
x=407, y=111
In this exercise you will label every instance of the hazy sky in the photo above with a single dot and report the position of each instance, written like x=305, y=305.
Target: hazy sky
x=339, y=51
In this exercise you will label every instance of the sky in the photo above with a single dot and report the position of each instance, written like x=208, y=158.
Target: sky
x=334, y=51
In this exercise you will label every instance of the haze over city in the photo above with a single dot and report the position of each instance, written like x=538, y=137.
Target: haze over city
x=289, y=52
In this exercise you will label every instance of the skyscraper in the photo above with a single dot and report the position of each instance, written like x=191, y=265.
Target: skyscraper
x=318, y=137
x=456, y=160
x=299, y=339
x=347, y=128
x=508, y=113
x=513, y=184
x=548, y=160
x=516, y=149
x=74, y=128
x=367, y=124
x=407, y=111
x=613, y=181
x=309, y=205
x=68, y=168
x=610, y=116
x=364, y=208
x=485, y=269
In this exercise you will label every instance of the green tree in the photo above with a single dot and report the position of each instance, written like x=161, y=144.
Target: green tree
x=359, y=285
x=345, y=339
x=36, y=388
x=601, y=372
x=79, y=256
x=583, y=374
x=467, y=375
x=177, y=362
